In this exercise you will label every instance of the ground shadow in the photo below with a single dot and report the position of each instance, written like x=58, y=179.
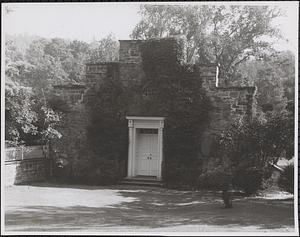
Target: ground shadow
x=154, y=208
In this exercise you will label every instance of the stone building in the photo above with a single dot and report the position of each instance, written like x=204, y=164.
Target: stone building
x=145, y=134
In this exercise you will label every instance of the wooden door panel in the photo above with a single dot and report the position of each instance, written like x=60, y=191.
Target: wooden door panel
x=147, y=154
x=143, y=161
x=153, y=162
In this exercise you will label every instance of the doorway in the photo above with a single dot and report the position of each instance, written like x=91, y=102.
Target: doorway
x=145, y=146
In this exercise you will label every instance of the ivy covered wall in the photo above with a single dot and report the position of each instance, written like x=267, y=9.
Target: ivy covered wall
x=151, y=79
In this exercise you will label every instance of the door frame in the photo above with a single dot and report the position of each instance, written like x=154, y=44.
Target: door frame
x=134, y=123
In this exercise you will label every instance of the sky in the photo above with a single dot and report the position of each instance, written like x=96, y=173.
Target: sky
x=93, y=21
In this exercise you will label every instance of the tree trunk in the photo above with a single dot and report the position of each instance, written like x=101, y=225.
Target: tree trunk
x=227, y=198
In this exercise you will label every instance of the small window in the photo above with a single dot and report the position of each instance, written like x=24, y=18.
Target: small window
x=148, y=131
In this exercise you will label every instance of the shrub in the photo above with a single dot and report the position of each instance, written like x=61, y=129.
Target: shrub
x=215, y=179
x=58, y=104
x=286, y=179
x=251, y=145
x=107, y=133
x=181, y=175
x=249, y=179
x=106, y=171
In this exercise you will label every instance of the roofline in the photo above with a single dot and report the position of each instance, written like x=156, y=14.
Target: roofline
x=145, y=118
x=128, y=40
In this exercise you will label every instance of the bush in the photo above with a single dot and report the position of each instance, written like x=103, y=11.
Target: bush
x=249, y=179
x=286, y=179
x=252, y=145
x=107, y=171
x=58, y=104
x=215, y=179
x=182, y=175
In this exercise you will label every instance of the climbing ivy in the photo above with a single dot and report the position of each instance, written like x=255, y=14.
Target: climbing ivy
x=107, y=133
x=170, y=88
x=176, y=94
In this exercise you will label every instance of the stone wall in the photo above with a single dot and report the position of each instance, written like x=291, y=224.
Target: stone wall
x=26, y=171
x=72, y=148
x=130, y=51
x=71, y=93
x=228, y=103
x=131, y=73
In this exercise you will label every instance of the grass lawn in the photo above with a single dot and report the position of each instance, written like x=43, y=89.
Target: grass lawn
x=43, y=207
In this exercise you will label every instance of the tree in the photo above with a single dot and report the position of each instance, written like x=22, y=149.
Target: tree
x=19, y=115
x=104, y=50
x=225, y=35
x=248, y=147
x=16, y=64
x=28, y=119
x=274, y=76
x=32, y=67
x=75, y=65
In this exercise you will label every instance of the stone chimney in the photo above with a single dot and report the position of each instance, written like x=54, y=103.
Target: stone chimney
x=209, y=75
x=129, y=51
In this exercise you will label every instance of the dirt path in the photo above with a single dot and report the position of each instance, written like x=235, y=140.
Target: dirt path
x=124, y=208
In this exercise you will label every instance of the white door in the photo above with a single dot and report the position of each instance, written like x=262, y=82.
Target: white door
x=147, y=154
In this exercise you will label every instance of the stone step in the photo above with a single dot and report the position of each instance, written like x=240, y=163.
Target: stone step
x=141, y=182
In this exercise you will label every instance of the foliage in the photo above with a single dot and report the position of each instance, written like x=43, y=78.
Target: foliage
x=286, y=179
x=182, y=176
x=225, y=35
x=105, y=50
x=274, y=76
x=50, y=120
x=248, y=147
x=249, y=179
x=172, y=89
x=57, y=104
x=107, y=133
x=40, y=62
x=19, y=115
x=28, y=120
x=33, y=65
x=107, y=170
x=216, y=178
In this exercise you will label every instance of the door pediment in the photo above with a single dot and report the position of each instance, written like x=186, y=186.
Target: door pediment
x=145, y=122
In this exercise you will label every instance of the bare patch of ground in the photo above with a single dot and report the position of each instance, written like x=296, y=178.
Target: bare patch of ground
x=140, y=209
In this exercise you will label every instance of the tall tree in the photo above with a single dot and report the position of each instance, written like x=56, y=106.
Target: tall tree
x=274, y=76
x=104, y=50
x=225, y=35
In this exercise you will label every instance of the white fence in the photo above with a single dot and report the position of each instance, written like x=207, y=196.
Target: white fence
x=26, y=152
